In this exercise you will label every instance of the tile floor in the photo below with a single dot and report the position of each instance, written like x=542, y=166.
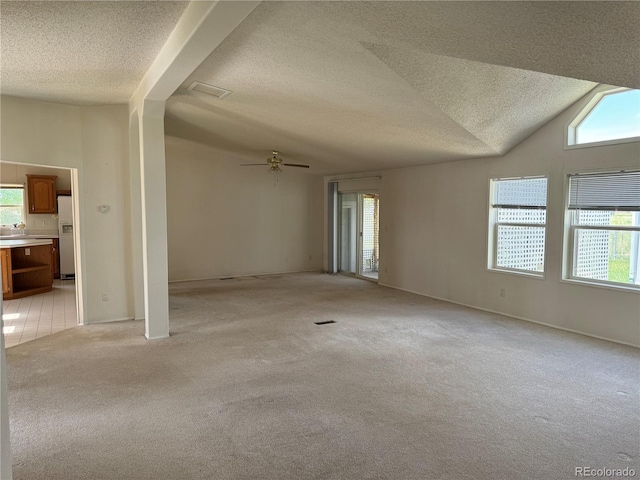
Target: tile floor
x=28, y=318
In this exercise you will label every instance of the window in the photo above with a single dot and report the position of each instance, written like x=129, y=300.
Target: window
x=604, y=212
x=11, y=204
x=518, y=219
x=612, y=116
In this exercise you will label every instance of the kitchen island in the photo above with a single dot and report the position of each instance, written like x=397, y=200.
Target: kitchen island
x=26, y=267
x=40, y=234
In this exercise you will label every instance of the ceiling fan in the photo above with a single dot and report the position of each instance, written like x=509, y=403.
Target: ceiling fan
x=274, y=162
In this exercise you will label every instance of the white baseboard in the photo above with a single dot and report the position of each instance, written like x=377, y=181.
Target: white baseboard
x=245, y=275
x=110, y=320
x=513, y=316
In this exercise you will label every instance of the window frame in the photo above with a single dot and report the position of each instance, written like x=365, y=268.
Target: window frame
x=16, y=186
x=570, y=252
x=494, y=224
x=570, y=133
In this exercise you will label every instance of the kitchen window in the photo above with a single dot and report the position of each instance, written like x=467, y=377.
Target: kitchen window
x=11, y=204
x=517, y=225
x=604, y=233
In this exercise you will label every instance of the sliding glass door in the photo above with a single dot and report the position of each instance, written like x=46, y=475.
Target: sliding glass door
x=358, y=236
x=348, y=233
x=369, y=212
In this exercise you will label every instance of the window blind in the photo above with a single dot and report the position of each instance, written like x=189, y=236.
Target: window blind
x=520, y=193
x=605, y=191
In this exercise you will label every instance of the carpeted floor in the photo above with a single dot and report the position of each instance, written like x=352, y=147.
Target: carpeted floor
x=248, y=387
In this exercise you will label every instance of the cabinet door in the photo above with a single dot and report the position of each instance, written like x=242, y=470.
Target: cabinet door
x=41, y=192
x=55, y=259
x=5, y=259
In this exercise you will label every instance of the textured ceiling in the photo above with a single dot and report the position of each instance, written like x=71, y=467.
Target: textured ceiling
x=352, y=86
x=81, y=52
x=343, y=86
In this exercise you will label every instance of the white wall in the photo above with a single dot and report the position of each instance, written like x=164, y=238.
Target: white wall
x=433, y=236
x=105, y=181
x=226, y=220
x=93, y=140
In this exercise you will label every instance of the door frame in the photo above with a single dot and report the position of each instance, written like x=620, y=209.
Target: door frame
x=77, y=238
x=359, y=232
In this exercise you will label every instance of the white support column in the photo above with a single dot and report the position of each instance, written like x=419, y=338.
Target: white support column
x=5, y=447
x=154, y=220
x=202, y=27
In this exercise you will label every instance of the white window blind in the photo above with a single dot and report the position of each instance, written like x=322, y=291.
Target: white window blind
x=605, y=191
x=518, y=224
x=520, y=193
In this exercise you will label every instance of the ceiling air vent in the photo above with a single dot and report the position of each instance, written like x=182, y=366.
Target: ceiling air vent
x=217, y=92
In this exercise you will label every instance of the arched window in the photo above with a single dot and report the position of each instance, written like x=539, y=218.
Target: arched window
x=612, y=116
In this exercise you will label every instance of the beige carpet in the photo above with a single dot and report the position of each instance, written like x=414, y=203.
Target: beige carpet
x=248, y=387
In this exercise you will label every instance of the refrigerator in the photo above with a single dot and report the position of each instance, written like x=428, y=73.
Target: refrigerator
x=65, y=237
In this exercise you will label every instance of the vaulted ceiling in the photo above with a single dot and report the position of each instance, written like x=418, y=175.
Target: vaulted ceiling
x=343, y=86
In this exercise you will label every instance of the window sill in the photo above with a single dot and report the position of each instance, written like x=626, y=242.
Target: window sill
x=602, y=144
x=608, y=286
x=520, y=273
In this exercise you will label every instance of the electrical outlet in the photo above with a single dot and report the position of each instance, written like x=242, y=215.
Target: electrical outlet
x=105, y=297
x=503, y=292
x=310, y=257
x=27, y=251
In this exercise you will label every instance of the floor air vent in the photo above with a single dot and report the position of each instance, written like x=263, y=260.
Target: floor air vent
x=325, y=322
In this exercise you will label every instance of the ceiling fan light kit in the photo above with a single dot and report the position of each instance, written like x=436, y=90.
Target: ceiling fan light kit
x=274, y=162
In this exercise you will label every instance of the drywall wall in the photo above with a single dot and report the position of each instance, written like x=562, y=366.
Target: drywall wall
x=14, y=173
x=105, y=181
x=433, y=236
x=93, y=140
x=226, y=220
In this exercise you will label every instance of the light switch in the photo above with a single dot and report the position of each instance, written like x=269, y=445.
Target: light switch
x=27, y=251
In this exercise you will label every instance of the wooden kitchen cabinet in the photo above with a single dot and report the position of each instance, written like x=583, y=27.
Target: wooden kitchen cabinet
x=41, y=193
x=55, y=258
x=5, y=259
x=26, y=270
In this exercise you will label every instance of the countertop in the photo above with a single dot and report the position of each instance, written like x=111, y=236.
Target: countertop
x=30, y=235
x=24, y=242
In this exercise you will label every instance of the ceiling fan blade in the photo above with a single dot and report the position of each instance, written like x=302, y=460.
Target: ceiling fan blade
x=295, y=165
x=252, y=164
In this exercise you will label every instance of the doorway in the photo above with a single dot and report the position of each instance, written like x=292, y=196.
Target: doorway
x=359, y=234
x=29, y=317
